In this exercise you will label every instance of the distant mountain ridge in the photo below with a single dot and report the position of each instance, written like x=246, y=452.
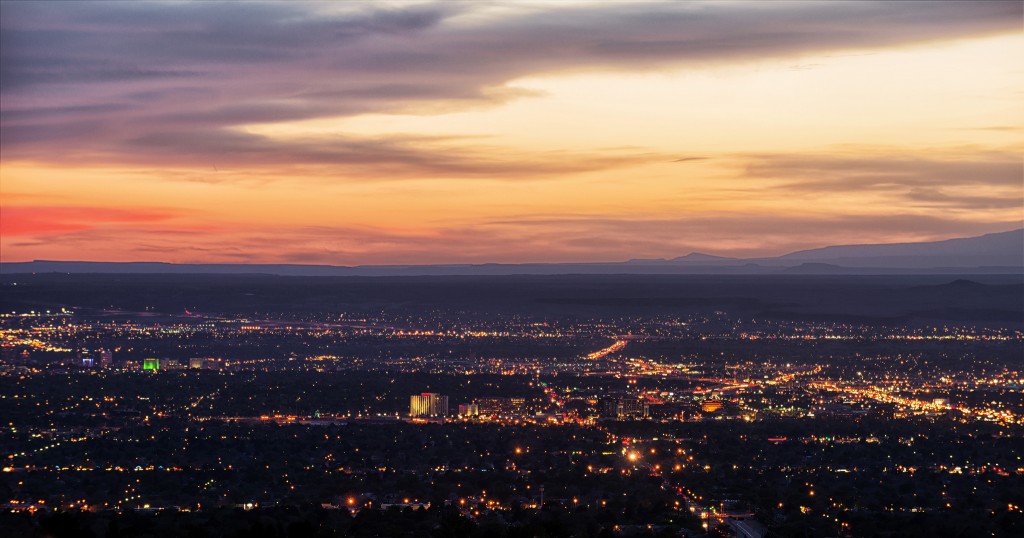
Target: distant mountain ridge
x=1001, y=252
x=1005, y=248
x=693, y=257
x=701, y=257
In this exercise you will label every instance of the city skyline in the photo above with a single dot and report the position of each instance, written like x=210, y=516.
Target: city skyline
x=442, y=132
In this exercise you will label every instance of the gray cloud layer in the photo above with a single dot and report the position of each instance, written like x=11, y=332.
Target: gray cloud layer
x=163, y=83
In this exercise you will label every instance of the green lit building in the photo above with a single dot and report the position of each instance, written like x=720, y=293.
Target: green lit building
x=151, y=364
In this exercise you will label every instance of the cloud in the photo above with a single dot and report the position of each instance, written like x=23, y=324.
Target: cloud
x=173, y=86
x=942, y=199
x=137, y=82
x=741, y=235
x=856, y=172
x=391, y=157
x=41, y=221
x=688, y=159
x=949, y=179
x=580, y=238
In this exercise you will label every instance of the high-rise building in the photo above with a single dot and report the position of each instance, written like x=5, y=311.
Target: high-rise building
x=428, y=404
x=195, y=362
x=151, y=364
x=635, y=407
x=468, y=410
x=498, y=406
x=106, y=358
x=624, y=407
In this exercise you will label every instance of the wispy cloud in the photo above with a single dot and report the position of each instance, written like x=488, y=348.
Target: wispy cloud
x=150, y=82
x=950, y=178
x=41, y=221
x=526, y=238
x=868, y=169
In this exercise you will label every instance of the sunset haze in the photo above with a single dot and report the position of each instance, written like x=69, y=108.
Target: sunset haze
x=451, y=132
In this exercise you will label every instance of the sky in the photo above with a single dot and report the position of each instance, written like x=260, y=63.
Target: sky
x=457, y=132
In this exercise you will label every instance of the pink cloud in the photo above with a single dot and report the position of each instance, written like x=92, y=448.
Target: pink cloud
x=55, y=220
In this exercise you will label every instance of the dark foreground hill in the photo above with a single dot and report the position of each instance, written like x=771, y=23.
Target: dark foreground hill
x=894, y=298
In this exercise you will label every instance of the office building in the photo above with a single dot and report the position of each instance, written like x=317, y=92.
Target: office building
x=624, y=407
x=428, y=404
x=501, y=406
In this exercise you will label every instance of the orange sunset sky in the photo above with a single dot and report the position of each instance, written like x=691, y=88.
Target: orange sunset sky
x=446, y=132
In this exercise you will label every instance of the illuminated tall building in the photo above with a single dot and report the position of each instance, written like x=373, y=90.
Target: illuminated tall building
x=497, y=406
x=106, y=358
x=624, y=407
x=151, y=364
x=468, y=410
x=428, y=404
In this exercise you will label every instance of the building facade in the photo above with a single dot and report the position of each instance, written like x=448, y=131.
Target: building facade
x=428, y=404
x=501, y=406
x=623, y=407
